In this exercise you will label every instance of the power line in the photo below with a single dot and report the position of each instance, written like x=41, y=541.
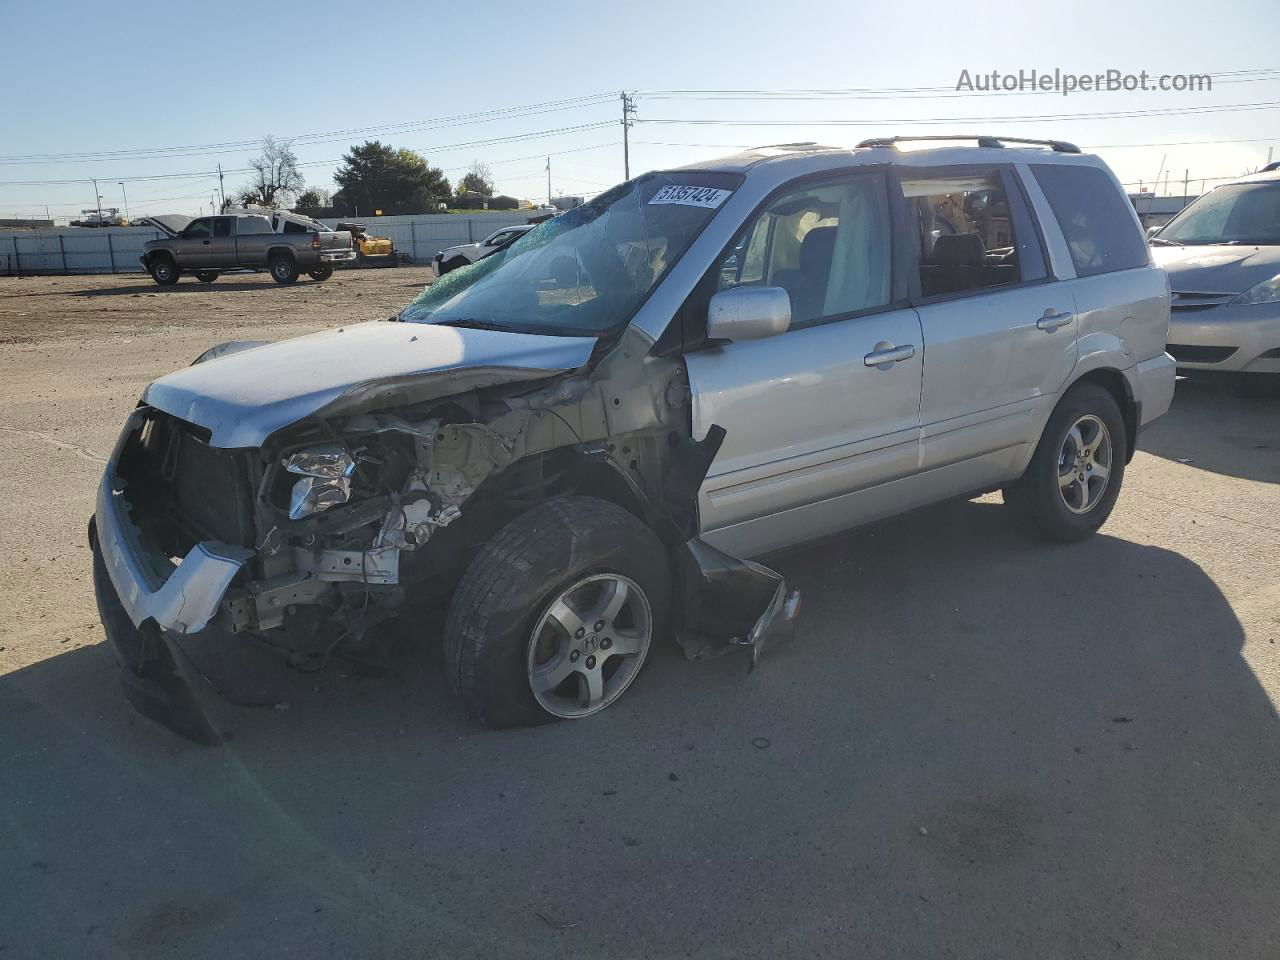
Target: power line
x=1028, y=118
x=231, y=146
x=445, y=148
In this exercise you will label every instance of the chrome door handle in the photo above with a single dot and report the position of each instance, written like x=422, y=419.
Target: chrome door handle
x=889, y=355
x=1052, y=321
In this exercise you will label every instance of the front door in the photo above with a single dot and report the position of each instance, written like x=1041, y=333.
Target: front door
x=194, y=242
x=818, y=418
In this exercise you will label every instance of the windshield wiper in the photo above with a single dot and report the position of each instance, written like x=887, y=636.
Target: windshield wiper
x=1164, y=242
x=472, y=323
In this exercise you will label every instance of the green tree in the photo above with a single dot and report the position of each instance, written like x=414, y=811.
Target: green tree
x=478, y=179
x=312, y=198
x=375, y=176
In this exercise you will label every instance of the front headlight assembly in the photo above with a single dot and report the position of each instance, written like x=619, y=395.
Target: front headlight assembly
x=1264, y=292
x=325, y=473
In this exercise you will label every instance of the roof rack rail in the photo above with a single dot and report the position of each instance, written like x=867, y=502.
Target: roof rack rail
x=1058, y=146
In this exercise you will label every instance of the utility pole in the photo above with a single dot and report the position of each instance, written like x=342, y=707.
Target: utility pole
x=126, y=198
x=1186, y=179
x=628, y=111
x=220, y=188
x=549, y=181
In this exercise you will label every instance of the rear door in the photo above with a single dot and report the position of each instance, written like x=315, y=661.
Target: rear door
x=999, y=331
x=221, y=249
x=819, y=417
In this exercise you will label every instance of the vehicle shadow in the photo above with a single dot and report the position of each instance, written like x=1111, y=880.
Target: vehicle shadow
x=976, y=745
x=1212, y=426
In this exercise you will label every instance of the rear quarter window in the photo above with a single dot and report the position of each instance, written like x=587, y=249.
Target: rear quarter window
x=1095, y=218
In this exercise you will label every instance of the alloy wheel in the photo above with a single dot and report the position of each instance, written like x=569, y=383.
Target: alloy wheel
x=589, y=644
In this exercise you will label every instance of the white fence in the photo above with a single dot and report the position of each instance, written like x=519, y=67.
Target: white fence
x=117, y=249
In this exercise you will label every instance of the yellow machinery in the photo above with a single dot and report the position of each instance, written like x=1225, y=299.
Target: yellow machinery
x=371, y=251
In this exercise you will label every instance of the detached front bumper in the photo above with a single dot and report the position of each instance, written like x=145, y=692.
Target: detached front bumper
x=143, y=606
x=183, y=601
x=1241, y=339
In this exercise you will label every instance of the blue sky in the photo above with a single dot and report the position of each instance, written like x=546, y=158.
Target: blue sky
x=86, y=77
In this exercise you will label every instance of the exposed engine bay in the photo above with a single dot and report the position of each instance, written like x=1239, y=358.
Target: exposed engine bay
x=349, y=518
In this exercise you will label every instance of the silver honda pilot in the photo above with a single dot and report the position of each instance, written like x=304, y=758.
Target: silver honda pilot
x=577, y=444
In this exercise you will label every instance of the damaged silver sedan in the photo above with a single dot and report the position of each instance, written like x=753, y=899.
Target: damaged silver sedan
x=573, y=443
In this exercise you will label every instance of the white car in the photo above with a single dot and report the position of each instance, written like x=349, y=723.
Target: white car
x=451, y=258
x=1222, y=254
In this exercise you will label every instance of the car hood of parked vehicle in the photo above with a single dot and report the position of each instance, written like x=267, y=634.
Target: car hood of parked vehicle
x=1219, y=267
x=243, y=396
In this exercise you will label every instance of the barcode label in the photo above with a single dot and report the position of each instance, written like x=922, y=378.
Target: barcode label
x=709, y=197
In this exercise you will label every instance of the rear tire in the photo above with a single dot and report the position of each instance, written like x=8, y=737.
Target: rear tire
x=165, y=272
x=206, y=276
x=284, y=269
x=505, y=634
x=320, y=273
x=1084, y=438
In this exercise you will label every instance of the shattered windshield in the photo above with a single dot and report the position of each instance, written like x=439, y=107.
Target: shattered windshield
x=1237, y=213
x=586, y=271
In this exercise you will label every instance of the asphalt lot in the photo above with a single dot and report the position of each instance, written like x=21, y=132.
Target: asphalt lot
x=977, y=745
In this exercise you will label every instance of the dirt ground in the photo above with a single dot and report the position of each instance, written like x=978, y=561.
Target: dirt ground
x=977, y=746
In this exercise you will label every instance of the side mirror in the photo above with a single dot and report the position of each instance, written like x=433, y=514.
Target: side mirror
x=748, y=313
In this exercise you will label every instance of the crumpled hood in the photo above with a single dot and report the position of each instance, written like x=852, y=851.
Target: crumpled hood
x=244, y=397
x=1217, y=268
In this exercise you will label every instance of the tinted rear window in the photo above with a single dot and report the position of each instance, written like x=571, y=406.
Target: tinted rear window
x=1095, y=218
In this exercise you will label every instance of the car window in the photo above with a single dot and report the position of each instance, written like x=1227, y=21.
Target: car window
x=963, y=226
x=588, y=270
x=222, y=227
x=291, y=227
x=199, y=229
x=1233, y=213
x=1096, y=219
x=827, y=245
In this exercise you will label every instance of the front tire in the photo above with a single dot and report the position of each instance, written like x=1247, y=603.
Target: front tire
x=556, y=615
x=1074, y=477
x=320, y=273
x=165, y=272
x=284, y=269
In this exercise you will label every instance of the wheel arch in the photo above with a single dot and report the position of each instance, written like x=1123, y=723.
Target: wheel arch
x=1117, y=384
x=280, y=249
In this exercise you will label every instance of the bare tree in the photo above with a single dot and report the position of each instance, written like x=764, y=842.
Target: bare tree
x=276, y=177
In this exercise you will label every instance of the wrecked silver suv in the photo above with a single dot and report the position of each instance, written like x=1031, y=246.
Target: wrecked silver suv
x=571, y=443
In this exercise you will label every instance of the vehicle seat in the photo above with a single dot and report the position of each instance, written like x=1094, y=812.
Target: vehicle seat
x=956, y=264
x=808, y=285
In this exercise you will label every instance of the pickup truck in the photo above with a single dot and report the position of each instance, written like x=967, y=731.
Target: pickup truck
x=285, y=244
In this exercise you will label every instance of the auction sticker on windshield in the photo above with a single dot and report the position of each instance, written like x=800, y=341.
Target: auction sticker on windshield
x=710, y=197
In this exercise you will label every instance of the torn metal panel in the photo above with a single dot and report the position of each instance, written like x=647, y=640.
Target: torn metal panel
x=245, y=397
x=730, y=602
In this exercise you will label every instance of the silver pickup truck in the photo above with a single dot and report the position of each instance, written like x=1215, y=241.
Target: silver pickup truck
x=283, y=243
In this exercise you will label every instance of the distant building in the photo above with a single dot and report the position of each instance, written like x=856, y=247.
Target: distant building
x=566, y=203
x=1156, y=211
x=26, y=224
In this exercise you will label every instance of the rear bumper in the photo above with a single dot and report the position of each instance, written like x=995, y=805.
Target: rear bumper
x=1242, y=339
x=1153, y=382
x=341, y=256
